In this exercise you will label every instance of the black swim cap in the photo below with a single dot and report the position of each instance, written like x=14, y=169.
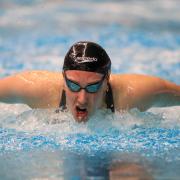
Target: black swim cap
x=87, y=56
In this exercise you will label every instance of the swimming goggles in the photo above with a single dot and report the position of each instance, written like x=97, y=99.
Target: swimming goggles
x=90, y=88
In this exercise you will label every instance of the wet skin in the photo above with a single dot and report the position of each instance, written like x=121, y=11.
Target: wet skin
x=83, y=104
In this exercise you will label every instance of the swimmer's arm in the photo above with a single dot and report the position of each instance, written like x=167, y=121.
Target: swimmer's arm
x=19, y=89
x=157, y=93
x=144, y=92
x=168, y=95
x=36, y=89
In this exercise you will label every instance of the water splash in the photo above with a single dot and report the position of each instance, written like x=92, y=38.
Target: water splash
x=150, y=134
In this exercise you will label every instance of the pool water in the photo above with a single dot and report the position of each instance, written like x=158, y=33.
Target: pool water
x=140, y=37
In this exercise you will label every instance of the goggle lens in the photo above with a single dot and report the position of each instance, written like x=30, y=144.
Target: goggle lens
x=91, y=88
x=72, y=86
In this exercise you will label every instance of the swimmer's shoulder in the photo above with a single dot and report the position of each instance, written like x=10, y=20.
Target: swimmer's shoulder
x=127, y=87
x=49, y=84
x=118, y=85
x=126, y=79
x=121, y=80
x=40, y=75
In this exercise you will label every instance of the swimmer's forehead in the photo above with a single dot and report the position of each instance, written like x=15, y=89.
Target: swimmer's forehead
x=76, y=74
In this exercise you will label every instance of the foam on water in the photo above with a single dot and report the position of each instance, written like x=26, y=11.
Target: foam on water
x=122, y=132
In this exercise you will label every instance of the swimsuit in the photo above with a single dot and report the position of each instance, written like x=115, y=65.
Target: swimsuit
x=108, y=99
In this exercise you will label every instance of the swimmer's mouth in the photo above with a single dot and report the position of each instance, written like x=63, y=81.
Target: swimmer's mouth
x=80, y=109
x=81, y=114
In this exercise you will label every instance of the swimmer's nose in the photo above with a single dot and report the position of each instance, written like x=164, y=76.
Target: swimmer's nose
x=82, y=97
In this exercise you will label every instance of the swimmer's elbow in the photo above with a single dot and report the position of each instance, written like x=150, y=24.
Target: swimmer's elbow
x=143, y=109
x=166, y=100
x=167, y=95
x=12, y=100
x=144, y=106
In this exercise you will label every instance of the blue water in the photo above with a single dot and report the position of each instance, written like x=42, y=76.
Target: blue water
x=140, y=37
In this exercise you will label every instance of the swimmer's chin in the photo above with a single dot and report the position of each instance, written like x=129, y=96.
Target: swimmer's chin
x=80, y=119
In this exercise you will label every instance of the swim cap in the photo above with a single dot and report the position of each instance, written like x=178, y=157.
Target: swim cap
x=87, y=56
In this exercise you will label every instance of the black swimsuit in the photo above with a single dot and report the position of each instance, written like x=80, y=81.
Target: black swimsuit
x=108, y=99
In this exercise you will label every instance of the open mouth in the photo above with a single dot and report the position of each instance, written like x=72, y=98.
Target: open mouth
x=81, y=113
x=80, y=109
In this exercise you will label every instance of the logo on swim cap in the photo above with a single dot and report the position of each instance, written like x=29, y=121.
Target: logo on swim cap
x=85, y=59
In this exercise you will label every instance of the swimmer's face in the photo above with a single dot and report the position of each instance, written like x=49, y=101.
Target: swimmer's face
x=83, y=104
